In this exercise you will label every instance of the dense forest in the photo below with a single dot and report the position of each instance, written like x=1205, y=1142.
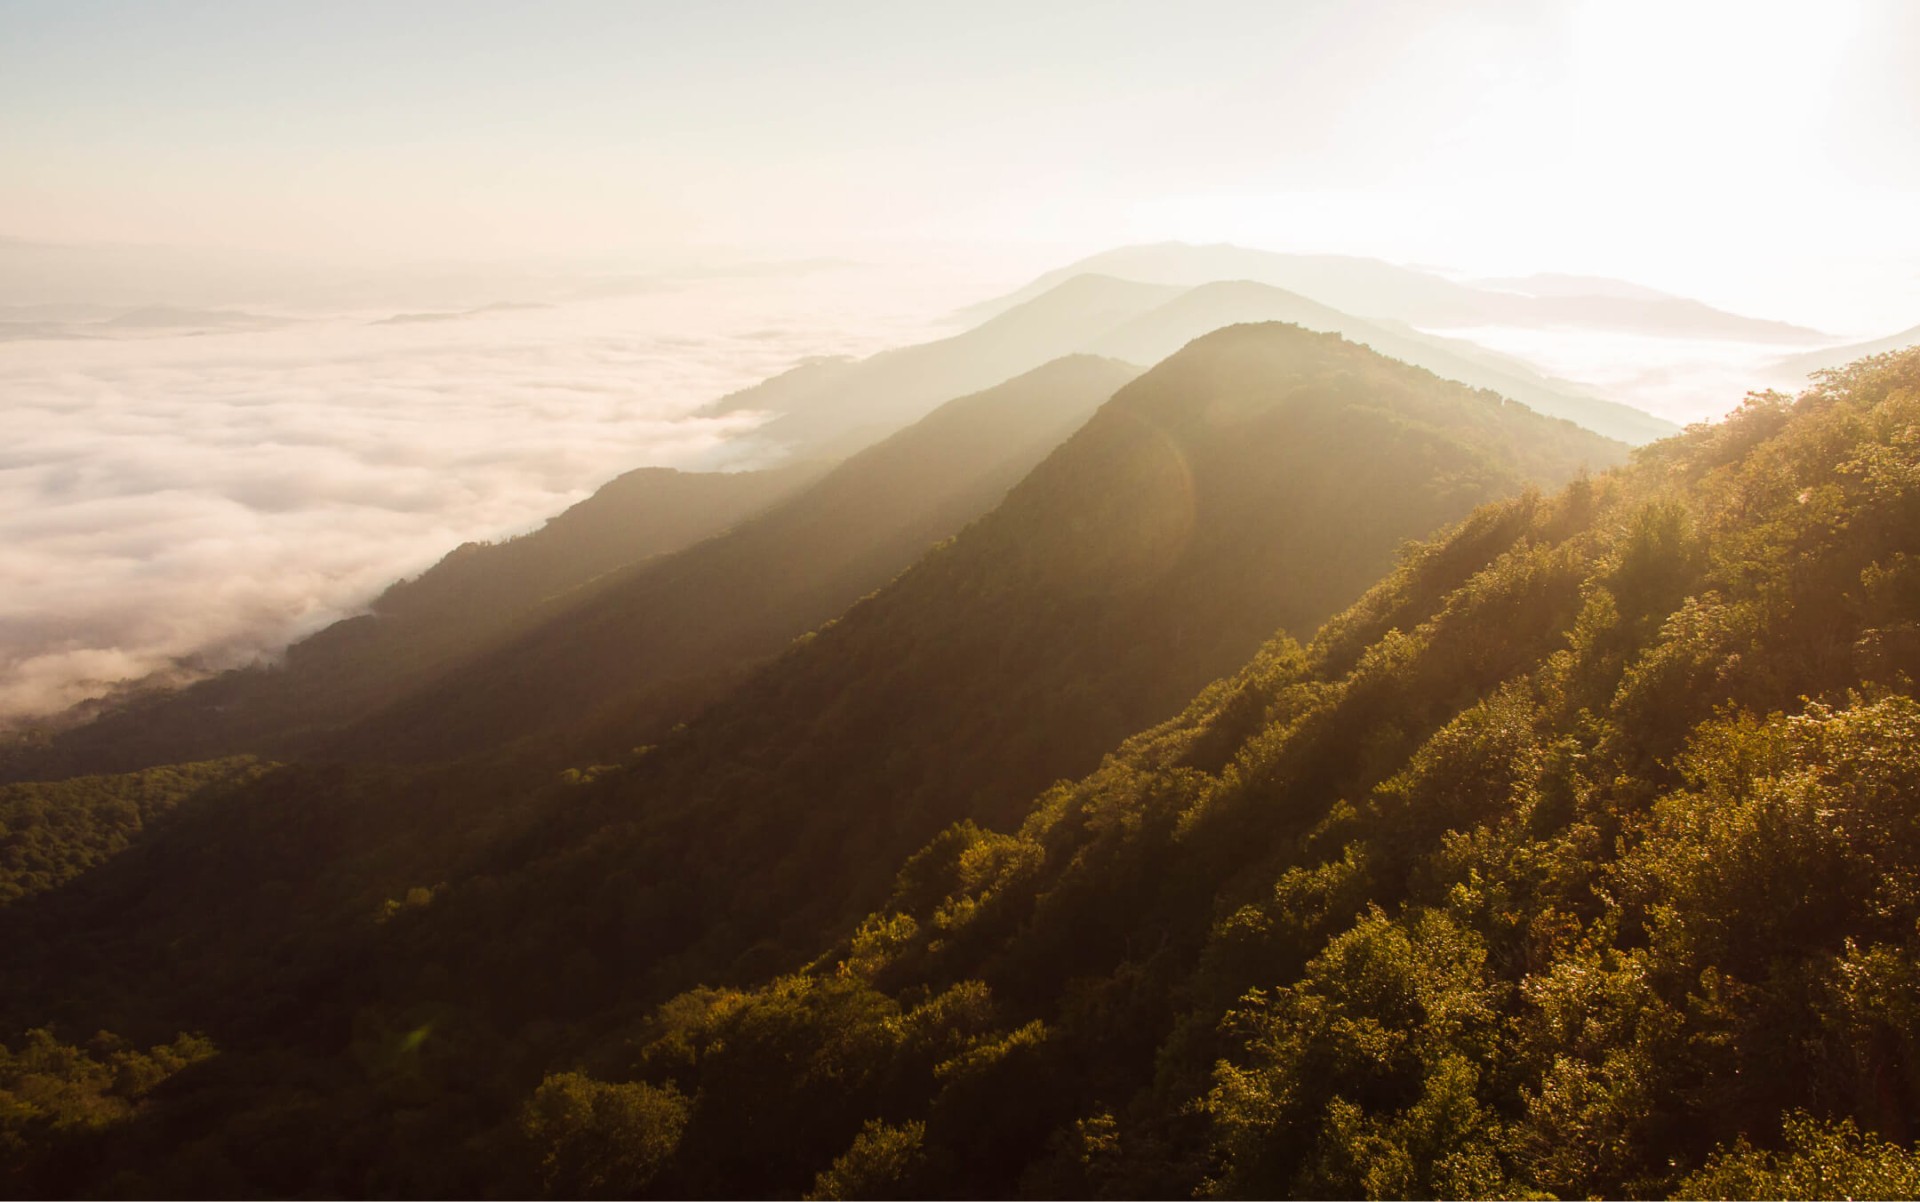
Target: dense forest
x=1578, y=857
x=1447, y=811
x=53, y=831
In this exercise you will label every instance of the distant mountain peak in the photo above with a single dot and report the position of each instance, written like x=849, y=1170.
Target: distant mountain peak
x=1377, y=289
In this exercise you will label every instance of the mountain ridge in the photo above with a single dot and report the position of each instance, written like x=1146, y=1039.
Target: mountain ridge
x=417, y=628
x=1373, y=288
x=646, y=651
x=1570, y=858
x=1140, y=559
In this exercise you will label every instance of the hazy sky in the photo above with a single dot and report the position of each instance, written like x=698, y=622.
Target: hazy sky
x=173, y=495
x=1741, y=150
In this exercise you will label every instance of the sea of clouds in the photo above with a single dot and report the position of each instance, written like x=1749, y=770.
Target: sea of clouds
x=180, y=500
x=193, y=475
x=1684, y=380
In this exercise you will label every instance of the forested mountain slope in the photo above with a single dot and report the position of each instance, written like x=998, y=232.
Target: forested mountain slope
x=1579, y=856
x=414, y=631
x=388, y=961
x=644, y=652
x=51, y=833
x=1257, y=480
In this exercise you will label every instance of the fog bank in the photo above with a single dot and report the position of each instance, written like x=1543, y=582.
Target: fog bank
x=181, y=492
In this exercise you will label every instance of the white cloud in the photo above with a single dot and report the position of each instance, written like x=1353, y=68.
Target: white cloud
x=207, y=499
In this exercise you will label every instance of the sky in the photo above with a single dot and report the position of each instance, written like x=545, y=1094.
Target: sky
x=1760, y=154
x=680, y=199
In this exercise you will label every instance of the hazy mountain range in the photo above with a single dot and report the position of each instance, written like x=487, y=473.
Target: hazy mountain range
x=1373, y=289
x=1796, y=368
x=1174, y=738
x=826, y=406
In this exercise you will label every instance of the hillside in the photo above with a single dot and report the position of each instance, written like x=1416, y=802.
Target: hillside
x=1257, y=480
x=1578, y=857
x=54, y=832
x=647, y=650
x=361, y=944
x=414, y=631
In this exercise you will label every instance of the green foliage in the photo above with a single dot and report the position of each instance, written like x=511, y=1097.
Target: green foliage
x=53, y=832
x=1820, y=1160
x=1361, y=1079
x=53, y=1096
x=600, y=1140
x=884, y=1162
x=1627, y=868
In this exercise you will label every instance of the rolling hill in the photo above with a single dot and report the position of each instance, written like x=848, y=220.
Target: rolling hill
x=422, y=631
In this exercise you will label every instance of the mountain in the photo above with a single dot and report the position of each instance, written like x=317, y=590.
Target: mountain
x=375, y=965
x=836, y=406
x=644, y=652
x=1371, y=288
x=1560, y=284
x=367, y=664
x=1793, y=370
x=415, y=631
x=1256, y=480
x=1577, y=857
x=1159, y=332
x=623, y=666
x=401, y=319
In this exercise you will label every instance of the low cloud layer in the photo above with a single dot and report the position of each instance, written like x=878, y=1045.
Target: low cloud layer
x=1684, y=380
x=196, y=501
